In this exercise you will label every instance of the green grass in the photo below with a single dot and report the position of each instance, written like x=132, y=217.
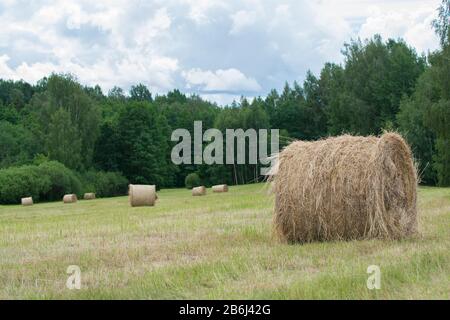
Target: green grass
x=214, y=247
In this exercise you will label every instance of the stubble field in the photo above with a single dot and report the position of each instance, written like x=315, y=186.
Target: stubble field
x=219, y=246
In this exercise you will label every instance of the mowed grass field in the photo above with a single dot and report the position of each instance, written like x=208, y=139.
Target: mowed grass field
x=215, y=247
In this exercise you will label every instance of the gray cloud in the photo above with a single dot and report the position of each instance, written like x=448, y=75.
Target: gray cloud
x=218, y=49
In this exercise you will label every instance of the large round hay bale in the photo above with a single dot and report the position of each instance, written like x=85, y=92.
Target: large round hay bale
x=199, y=191
x=142, y=195
x=89, y=196
x=220, y=188
x=27, y=201
x=345, y=187
x=70, y=198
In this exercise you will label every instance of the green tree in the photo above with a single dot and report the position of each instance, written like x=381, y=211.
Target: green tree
x=63, y=92
x=442, y=23
x=107, y=152
x=375, y=76
x=63, y=142
x=140, y=93
x=313, y=115
x=116, y=93
x=17, y=145
x=15, y=93
x=9, y=113
x=288, y=111
x=425, y=116
x=438, y=120
x=411, y=120
x=142, y=144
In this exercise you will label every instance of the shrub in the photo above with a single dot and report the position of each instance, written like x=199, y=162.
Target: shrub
x=51, y=180
x=105, y=184
x=47, y=181
x=192, y=180
x=18, y=182
x=62, y=180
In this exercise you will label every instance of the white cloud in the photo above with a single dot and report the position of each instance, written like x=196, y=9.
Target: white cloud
x=414, y=26
x=119, y=52
x=199, y=10
x=220, y=49
x=24, y=71
x=221, y=80
x=153, y=28
x=128, y=71
x=221, y=99
x=242, y=19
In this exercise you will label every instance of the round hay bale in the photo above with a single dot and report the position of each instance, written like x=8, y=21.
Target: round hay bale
x=199, y=191
x=220, y=188
x=344, y=188
x=142, y=195
x=89, y=196
x=70, y=198
x=27, y=201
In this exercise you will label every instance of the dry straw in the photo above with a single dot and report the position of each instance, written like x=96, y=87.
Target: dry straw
x=70, y=198
x=89, y=196
x=27, y=201
x=199, y=191
x=220, y=188
x=142, y=195
x=345, y=187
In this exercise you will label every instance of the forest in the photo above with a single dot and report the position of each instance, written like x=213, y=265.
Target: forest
x=59, y=136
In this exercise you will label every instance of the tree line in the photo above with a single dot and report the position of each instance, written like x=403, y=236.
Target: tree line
x=381, y=85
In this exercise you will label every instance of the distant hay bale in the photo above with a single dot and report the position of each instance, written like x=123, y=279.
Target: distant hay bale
x=27, y=201
x=220, y=188
x=199, y=191
x=344, y=188
x=89, y=196
x=70, y=198
x=142, y=195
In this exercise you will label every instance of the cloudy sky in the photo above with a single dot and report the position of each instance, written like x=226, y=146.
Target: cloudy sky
x=218, y=49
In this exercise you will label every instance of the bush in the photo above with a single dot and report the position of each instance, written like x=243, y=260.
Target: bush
x=62, y=180
x=51, y=180
x=105, y=184
x=192, y=180
x=47, y=181
x=18, y=182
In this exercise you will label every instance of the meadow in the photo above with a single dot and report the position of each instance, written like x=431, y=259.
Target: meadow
x=219, y=246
